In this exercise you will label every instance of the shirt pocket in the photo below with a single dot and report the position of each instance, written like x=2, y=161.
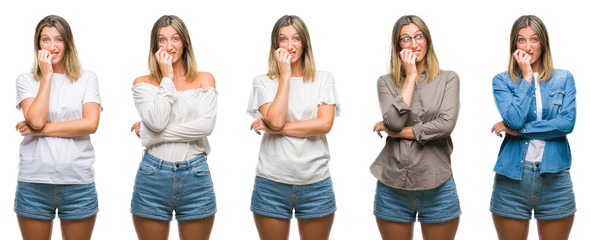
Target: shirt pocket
x=556, y=102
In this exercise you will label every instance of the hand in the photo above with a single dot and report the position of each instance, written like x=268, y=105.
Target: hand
x=44, y=58
x=501, y=127
x=165, y=63
x=380, y=127
x=258, y=125
x=284, y=60
x=25, y=129
x=409, y=62
x=136, y=127
x=524, y=63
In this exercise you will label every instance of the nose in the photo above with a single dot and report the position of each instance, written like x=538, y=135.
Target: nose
x=168, y=46
x=528, y=46
x=413, y=44
x=52, y=47
x=289, y=45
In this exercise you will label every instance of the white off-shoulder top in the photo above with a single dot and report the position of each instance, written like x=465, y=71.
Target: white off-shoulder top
x=175, y=124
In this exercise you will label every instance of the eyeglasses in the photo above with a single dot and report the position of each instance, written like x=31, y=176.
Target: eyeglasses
x=407, y=41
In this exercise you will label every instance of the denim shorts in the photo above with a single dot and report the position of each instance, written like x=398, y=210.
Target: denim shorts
x=39, y=200
x=435, y=205
x=163, y=187
x=550, y=195
x=278, y=200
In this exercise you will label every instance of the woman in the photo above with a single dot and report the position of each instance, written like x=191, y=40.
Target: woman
x=420, y=105
x=538, y=108
x=61, y=106
x=295, y=106
x=177, y=106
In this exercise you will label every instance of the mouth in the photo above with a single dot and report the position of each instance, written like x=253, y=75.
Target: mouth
x=54, y=54
x=293, y=54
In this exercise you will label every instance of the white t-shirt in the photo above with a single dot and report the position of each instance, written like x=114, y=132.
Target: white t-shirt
x=175, y=124
x=294, y=160
x=58, y=160
x=536, y=146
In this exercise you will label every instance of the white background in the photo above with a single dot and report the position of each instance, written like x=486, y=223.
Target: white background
x=351, y=40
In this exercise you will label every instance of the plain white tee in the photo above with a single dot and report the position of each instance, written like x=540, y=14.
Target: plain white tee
x=294, y=160
x=536, y=147
x=58, y=160
x=175, y=124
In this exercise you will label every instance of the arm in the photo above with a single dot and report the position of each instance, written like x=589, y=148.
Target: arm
x=200, y=127
x=154, y=109
x=443, y=125
x=79, y=127
x=560, y=125
x=405, y=132
x=308, y=128
x=274, y=114
x=36, y=109
x=393, y=107
x=513, y=108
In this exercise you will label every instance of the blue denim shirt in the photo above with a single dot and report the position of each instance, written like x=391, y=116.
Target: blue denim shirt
x=517, y=106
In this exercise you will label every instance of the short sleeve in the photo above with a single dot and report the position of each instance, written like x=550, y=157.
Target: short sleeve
x=328, y=93
x=24, y=89
x=91, y=93
x=261, y=94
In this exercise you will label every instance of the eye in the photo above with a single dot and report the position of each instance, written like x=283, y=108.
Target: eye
x=297, y=39
x=419, y=37
x=162, y=40
x=535, y=40
x=282, y=39
x=44, y=40
x=176, y=39
x=59, y=40
x=520, y=40
x=405, y=39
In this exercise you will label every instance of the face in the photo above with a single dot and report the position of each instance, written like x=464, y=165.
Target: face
x=290, y=40
x=52, y=41
x=169, y=40
x=412, y=38
x=528, y=41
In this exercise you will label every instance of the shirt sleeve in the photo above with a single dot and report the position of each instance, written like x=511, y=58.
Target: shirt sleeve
x=563, y=123
x=393, y=108
x=198, y=128
x=91, y=93
x=24, y=90
x=444, y=124
x=154, y=108
x=513, y=107
x=328, y=94
x=261, y=94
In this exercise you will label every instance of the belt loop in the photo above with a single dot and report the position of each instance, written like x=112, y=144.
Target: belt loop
x=160, y=163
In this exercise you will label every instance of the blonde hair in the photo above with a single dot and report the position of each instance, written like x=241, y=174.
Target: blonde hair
x=188, y=57
x=396, y=69
x=537, y=25
x=307, y=56
x=70, y=60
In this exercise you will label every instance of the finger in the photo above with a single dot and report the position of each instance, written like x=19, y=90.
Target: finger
x=379, y=133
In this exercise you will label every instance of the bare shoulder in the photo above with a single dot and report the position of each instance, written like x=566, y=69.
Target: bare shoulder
x=205, y=80
x=144, y=79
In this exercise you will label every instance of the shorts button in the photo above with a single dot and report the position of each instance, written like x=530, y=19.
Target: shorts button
x=178, y=165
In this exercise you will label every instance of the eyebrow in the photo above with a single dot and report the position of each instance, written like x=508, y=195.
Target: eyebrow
x=416, y=33
x=162, y=35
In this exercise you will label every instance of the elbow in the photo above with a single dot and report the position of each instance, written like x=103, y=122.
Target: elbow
x=275, y=125
x=154, y=127
x=92, y=128
x=37, y=125
x=395, y=126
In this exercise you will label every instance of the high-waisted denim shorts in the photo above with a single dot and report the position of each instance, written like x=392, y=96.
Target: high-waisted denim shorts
x=550, y=195
x=163, y=187
x=278, y=200
x=435, y=205
x=38, y=200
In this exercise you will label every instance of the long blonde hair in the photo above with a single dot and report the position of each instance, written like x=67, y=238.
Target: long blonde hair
x=537, y=25
x=70, y=60
x=307, y=56
x=188, y=56
x=396, y=69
